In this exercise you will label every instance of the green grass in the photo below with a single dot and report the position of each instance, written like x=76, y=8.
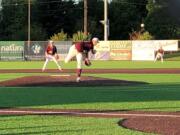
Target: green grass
x=95, y=64
x=4, y=77
x=149, y=78
x=172, y=56
x=9, y=76
x=57, y=125
x=154, y=97
x=148, y=97
x=161, y=93
x=155, y=94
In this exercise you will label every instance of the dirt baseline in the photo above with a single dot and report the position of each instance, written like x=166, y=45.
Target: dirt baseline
x=99, y=71
x=164, y=123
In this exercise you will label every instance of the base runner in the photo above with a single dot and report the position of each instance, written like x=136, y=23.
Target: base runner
x=51, y=55
x=80, y=50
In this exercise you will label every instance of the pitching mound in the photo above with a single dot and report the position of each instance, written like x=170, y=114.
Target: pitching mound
x=64, y=80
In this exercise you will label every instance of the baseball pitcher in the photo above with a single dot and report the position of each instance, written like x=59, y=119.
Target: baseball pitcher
x=81, y=50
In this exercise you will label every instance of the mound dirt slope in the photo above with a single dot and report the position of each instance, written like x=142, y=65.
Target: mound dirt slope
x=64, y=80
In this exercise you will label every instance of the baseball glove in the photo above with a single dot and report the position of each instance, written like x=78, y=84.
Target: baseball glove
x=94, y=51
x=87, y=62
x=57, y=57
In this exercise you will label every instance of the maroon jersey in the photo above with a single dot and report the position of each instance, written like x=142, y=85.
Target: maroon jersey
x=51, y=50
x=160, y=51
x=84, y=46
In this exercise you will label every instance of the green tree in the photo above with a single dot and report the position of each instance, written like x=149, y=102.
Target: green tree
x=163, y=19
x=145, y=35
x=56, y=15
x=95, y=14
x=14, y=15
x=80, y=36
x=125, y=16
x=61, y=36
x=14, y=22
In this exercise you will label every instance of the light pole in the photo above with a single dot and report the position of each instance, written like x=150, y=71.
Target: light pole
x=106, y=22
x=29, y=22
x=85, y=17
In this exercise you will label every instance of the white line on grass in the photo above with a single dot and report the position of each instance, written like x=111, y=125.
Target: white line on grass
x=9, y=112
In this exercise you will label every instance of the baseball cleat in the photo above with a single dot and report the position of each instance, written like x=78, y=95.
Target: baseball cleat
x=78, y=79
x=60, y=69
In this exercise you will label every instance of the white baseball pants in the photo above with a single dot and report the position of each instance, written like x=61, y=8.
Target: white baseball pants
x=50, y=58
x=159, y=56
x=72, y=53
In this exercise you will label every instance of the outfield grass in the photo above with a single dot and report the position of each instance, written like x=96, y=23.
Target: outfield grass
x=172, y=56
x=154, y=97
x=8, y=76
x=95, y=64
x=57, y=125
x=148, y=78
x=4, y=77
x=161, y=93
x=149, y=97
x=160, y=90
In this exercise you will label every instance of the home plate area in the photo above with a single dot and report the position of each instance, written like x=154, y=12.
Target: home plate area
x=64, y=80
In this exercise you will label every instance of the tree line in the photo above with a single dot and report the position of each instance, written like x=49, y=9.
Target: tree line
x=161, y=18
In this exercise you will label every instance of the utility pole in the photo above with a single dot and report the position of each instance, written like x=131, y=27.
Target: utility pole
x=85, y=17
x=29, y=22
x=106, y=22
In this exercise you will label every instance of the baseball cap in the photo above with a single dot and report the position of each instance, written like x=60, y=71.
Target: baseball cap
x=50, y=41
x=95, y=39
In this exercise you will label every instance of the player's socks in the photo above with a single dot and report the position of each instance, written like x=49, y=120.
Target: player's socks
x=78, y=79
x=79, y=71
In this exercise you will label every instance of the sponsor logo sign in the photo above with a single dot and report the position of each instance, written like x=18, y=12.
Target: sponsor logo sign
x=11, y=50
x=120, y=50
x=102, y=51
x=142, y=50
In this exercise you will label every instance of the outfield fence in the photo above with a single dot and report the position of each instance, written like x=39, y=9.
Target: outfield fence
x=11, y=50
x=106, y=50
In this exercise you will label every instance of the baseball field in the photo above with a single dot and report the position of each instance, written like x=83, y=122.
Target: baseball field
x=113, y=98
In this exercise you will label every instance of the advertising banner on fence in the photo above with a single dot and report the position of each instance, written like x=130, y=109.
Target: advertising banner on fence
x=11, y=50
x=168, y=45
x=36, y=49
x=63, y=48
x=143, y=50
x=120, y=50
x=102, y=51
